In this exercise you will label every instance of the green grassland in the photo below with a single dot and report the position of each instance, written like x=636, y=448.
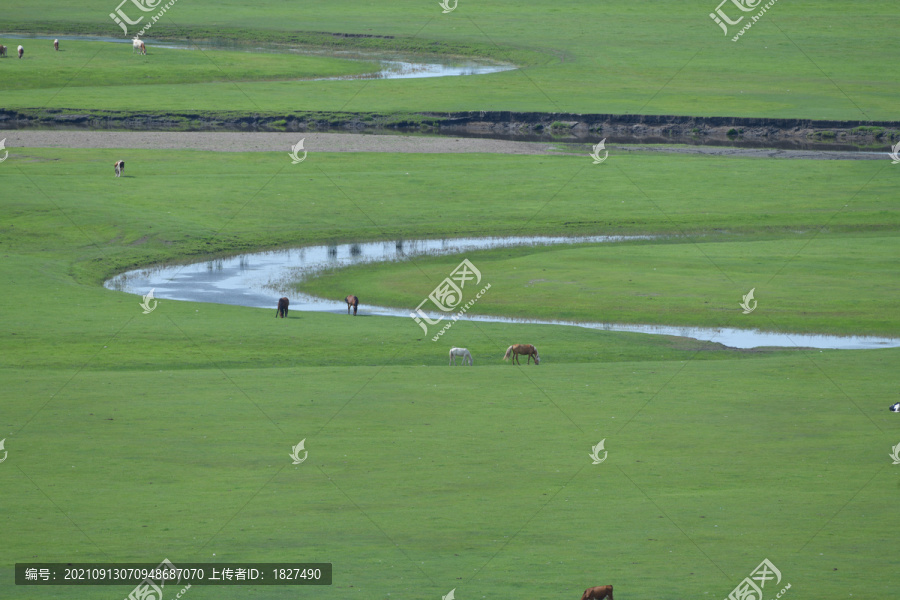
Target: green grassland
x=803, y=59
x=136, y=437
x=112, y=65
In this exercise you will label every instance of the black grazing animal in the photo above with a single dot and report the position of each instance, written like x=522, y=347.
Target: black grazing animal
x=282, y=309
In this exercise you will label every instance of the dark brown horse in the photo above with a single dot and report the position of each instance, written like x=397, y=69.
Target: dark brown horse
x=2, y=50
x=601, y=592
x=282, y=309
x=352, y=301
x=516, y=349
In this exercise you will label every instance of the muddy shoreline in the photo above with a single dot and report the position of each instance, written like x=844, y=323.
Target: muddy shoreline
x=737, y=132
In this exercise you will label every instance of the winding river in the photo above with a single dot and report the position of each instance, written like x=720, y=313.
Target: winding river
x=389, y=65
x=259, y=279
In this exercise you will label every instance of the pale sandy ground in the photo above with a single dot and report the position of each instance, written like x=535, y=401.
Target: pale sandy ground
x=357, y=142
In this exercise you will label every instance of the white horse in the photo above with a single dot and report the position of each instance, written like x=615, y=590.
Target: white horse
x=21, y=51
x=138, y=45
x=462, y=353
x=56, y=45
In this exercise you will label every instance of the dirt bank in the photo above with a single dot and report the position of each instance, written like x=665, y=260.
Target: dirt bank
x=357, y=142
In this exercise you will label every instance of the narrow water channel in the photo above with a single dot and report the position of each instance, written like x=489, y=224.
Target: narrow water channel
x=259, y=279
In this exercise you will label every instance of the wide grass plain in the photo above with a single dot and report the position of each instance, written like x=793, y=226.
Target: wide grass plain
x=804, y=59
x=137, y=437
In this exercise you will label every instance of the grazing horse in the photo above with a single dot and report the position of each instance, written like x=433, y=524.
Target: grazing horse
x=56, y=45
x=2, y=50
x=120, y=167
x=598, y=593
x=516, y=349
x=21, y=51
x=352, y=301
x=138, y=45
x=462, y=353
x=282, y=309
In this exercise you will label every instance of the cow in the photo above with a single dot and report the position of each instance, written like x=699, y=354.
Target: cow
x=599, y=592
x=120, y=167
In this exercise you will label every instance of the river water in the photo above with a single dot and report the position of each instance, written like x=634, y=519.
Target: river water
x=257, y=280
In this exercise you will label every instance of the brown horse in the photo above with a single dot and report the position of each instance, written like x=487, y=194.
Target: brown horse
x=2, y=50
x=282, y=309
x=598, y=593
x=352, y=301
x=120, y=167
x=516, y=349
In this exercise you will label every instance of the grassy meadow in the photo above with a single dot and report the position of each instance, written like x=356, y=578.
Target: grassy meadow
x=802, y=59
x=132, y=437
x=135, y=437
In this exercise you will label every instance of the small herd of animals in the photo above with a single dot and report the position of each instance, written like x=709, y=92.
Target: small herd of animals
x=513, y=351
x=136, y=46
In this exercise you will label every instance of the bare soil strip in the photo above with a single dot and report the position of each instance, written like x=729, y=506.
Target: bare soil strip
x=355, y=142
